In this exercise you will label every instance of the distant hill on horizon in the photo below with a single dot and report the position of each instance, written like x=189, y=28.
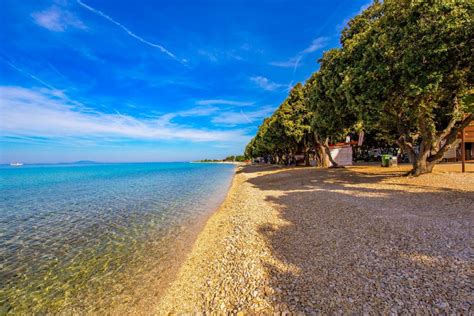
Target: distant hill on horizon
x=81, y=162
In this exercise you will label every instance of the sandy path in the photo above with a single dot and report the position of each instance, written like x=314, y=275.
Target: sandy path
x=358, y=239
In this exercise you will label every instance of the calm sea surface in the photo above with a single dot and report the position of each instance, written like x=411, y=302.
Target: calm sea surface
x=90, y=238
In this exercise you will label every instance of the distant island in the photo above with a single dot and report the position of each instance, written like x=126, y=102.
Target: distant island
x=85, y=162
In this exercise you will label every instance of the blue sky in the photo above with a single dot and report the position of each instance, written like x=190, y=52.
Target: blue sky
x=118, y=81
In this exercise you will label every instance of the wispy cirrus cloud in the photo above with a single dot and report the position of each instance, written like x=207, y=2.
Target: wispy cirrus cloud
x=290, y=63
x=266, y=83
x=223, y=102
x=315, y=45
x=27, y=74
x=294, y=61
x=57, y=19
x=198, y=111
x=217, y=56
x=233, y=118
x=130, y=33
x=211, y=56
x=49, y=113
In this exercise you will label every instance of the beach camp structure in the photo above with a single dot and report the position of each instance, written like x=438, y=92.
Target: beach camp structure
x=342, y=154
x=455, y=153
x=469, y=141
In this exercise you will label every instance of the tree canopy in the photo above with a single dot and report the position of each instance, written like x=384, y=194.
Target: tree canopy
x=286, y=132
x=403, y=72
x=409, y=72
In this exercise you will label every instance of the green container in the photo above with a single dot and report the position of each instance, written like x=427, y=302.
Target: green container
x=386, y=160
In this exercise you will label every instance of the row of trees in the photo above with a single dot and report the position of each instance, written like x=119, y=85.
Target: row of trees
x=403, y=72
x=237, y=158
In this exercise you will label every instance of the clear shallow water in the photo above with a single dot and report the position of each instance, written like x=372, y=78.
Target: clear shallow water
x=89, y=238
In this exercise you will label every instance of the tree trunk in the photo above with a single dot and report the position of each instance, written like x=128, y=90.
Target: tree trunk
x=424, y=161
x=421, y=166
x=306, y=157
x=420, y=163
x=420, y=160
x=317, y=152
x=328, y=154
x=322, y=158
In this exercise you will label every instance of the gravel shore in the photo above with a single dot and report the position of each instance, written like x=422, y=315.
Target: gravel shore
x=362, y=239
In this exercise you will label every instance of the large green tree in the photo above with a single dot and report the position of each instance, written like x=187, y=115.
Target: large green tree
x=286, y=132
x=270, y=142
x=249, y=149
x=261, y=145
x=409, y=73
x=333, y=118
x=295, y=116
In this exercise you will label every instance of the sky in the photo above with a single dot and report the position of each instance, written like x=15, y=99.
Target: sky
x=142, y=81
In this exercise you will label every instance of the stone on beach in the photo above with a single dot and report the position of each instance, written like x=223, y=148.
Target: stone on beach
x=361, y=239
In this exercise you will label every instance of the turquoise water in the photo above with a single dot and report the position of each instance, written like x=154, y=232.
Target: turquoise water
x=99, y=237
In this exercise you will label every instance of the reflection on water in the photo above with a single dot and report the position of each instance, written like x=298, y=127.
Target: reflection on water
x=77, y=238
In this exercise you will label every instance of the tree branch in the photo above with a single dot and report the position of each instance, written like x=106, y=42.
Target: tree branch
x=451, y=138
x=451, y=124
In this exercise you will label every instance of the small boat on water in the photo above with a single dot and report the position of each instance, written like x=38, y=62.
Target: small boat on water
x=16, y=164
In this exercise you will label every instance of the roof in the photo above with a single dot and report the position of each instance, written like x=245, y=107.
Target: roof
x=468, y=133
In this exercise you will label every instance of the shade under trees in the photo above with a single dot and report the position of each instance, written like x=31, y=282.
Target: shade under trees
x=403, y=72
x=408, y=73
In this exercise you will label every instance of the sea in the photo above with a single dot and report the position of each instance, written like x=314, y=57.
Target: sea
x=100, y=238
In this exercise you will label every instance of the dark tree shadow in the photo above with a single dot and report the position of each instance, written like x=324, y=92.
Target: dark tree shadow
x=367, y=242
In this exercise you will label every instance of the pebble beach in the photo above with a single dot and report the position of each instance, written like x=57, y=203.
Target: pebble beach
x=361, y=239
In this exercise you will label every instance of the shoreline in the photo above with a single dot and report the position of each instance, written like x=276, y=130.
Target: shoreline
x=182, y=247
x=192, y=290
x=126, y=243
x=260, y=251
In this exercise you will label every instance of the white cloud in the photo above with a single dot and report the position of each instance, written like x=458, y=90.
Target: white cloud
x=198, y=111
x=130, y=33
x=223, y=102
x=26, y=73
x=241, y=117
x=293, y=62
x=316, y=44
x=217, y=57
x=57, y=19
x=209, y=55
x=49, y=113
x=265, y=83
x=290, y=63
